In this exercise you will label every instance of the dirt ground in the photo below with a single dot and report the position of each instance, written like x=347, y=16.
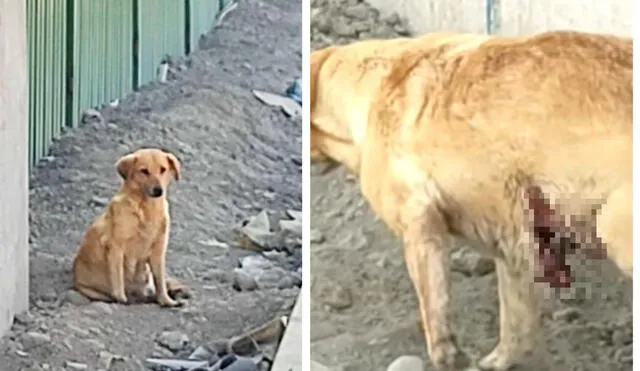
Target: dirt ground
x=363, y=307
x=239, y=157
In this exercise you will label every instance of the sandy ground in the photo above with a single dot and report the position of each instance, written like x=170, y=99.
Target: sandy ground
x=364, y=312
x=239, y=157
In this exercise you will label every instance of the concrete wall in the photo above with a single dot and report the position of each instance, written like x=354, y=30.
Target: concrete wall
x=14, y=249
x=513, y=16
x=436, y=15
x=527, y=16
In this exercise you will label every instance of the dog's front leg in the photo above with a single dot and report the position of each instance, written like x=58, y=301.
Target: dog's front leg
x=519, y=315
x=158, y=269
x=427, y=259
x=115, y=263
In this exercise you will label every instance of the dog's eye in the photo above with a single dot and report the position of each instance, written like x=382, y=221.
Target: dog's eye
x=144, y=171
x=162, y=170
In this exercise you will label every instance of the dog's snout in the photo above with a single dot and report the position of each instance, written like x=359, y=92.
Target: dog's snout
x=155, y=191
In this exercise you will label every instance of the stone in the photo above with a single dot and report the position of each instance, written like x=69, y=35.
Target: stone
x=621, y=337
x=91, y=116
x=75, y=298
x=343, y=29
x=25, y=318
x=359, y=11
x=102, y=307
x=294, y=226
x=98, y=201
x=569, y=314
x=200, y=353
x=242, y=281
x=32, y=339
x=173, y=340
x=338, y=297
x=406, y=363
x=316, y=237
x=75, y=365
x=258, y=229
x=161, y=352
x=106, y=359
x=317, y=366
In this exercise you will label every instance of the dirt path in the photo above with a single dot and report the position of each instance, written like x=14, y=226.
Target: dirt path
x=239, y=157
x=364, y=312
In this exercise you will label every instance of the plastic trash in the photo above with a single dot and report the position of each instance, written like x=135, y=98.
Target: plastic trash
x=294, y=91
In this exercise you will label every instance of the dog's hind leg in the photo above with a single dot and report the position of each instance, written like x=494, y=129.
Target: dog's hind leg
x=520, y=314
x=615, y=228
x=93, y=294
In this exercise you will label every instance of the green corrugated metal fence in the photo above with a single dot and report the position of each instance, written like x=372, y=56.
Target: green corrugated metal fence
x=202, y=14
x=102, y=53
x=84, y=54
x=47, y=22
x=161, y=32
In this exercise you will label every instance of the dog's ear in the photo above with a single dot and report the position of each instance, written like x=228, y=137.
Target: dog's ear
x=125, y=165
x=175, y=165
x=318, y=58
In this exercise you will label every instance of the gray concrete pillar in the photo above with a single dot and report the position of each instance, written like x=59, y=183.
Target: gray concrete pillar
x=14, y=128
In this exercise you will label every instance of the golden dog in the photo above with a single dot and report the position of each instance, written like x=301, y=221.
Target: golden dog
x=123, y=252
x=448, y=133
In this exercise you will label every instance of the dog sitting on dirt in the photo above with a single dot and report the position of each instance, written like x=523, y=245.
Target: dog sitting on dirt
x=122, y=255
x=450, y=133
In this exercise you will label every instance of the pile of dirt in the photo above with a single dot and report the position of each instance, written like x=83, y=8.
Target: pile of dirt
x=239, y=157
x=363, y=308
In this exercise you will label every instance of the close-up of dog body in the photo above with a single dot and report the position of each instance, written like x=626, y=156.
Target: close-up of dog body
x=451, y=135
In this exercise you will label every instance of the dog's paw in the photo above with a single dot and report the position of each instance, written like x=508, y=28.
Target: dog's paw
x=120, y=298
x=170, y=303
x=177, y=290
x=448, y=356
x=497, y=360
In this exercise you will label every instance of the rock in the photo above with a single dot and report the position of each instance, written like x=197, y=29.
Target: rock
x=161, y=352
x=175, y=364
x=295, y=214
x=317, y=366
x=406, y=363
x=359, y=11
x=242, y=281
x=99, y=201
x=32, y=339
x=232, y=362
x=569, y=314
x=91, y=116
x=624, y=355
x=343, y=29
x=75, y=298
x=106, y=359
x=24, y=318
x=75, y=365
x=173, y=340
x=338, y=297
x=201, y=353
x=102, y=307
x=621, y=337
x=471, y=263
x=293, y=226
x=258, y=229
x=316, y=237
